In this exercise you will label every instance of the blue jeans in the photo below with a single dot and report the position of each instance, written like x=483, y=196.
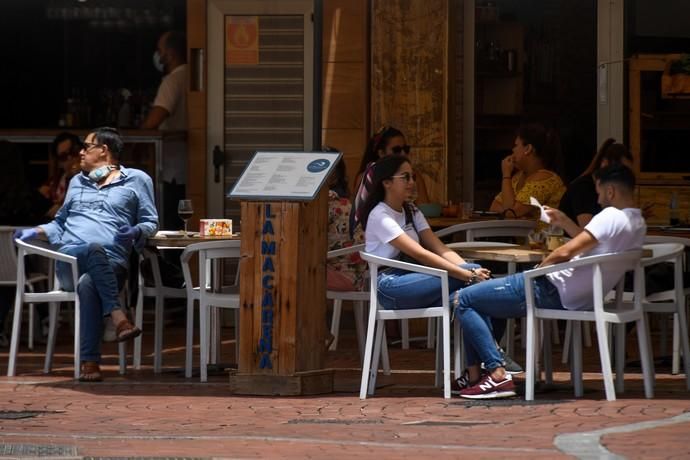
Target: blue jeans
x=400, y=289
x=497, y=298
x=99, y=285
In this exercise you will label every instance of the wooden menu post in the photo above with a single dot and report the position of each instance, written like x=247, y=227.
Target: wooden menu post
x=283, y=298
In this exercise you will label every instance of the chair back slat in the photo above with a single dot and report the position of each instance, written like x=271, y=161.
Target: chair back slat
x=519, y=228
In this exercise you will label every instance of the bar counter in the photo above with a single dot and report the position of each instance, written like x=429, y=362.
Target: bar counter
x=154, y=167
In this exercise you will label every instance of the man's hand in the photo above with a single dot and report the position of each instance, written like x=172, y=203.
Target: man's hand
x=556, y=216
x=560, y=220
x=26, y=234
x=127, y=234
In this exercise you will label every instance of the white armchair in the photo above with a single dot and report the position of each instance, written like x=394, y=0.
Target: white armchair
x=209, y=295
x=357, y=297
x=53, y=296
x=378, y=315
x=620, y=314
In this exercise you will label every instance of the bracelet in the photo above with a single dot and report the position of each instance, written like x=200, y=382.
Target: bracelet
x=473, y=278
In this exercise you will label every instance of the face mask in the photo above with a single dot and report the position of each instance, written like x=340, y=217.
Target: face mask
x=100, y=173
x=158, y=62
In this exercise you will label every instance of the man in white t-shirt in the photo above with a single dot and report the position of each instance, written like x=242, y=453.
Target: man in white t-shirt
x=169, y=113
x=618, y=227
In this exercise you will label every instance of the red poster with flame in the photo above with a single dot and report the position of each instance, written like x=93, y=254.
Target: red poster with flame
x=241, y=40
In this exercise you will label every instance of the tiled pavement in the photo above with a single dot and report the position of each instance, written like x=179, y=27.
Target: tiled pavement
x=164, y=416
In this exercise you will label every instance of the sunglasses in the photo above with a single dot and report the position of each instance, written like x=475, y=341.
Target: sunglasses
x=407, y=177
x=88, y=145
x=398, y=149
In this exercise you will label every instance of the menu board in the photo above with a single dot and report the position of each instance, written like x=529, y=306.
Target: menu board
x=284, y=176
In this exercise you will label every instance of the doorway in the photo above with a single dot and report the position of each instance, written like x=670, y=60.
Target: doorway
x=261, y=88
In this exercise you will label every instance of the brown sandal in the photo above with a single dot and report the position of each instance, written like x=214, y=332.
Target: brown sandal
x=90, y=372
x=125, y=330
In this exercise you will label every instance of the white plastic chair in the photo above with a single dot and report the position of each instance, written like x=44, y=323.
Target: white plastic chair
x=378, y=315
x=620, y=314
x=208, y=294
x=516, y=228
x=53, y=296
x=459, y=355
x=490, y=229
x=161, y=293
x=669, y=298
x=357, y=297
x=8, y=273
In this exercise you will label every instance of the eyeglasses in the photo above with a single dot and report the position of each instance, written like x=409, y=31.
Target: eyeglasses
x=398, y=149
x=407, y=177
x=88, y=145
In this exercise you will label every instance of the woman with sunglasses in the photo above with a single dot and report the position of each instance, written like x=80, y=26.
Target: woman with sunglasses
x=396, y=230
x=65, y=151
x=390, y=141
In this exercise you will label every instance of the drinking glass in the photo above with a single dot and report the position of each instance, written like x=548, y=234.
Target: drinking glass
x=185, y=211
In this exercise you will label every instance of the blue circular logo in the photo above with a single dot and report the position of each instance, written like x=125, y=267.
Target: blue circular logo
x=319, y=165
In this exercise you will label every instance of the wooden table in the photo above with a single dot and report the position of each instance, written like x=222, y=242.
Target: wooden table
x=680, y=232
x=509, y=254
x=181, y=242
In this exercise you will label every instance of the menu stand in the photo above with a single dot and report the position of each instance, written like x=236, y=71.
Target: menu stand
x=283, y=293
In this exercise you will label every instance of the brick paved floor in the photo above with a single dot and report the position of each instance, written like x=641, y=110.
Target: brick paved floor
x=166, y=415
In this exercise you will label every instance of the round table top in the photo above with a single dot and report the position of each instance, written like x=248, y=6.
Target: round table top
x=178, y=240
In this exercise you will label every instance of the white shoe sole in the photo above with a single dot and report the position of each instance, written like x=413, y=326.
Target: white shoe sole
x=494, y=395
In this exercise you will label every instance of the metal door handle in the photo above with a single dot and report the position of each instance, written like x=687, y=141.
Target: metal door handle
x=218, y=161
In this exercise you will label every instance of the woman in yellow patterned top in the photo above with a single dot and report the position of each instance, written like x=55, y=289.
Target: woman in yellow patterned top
x=530, y=171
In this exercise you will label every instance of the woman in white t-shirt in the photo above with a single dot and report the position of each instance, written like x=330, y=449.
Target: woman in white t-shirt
x=395, y=229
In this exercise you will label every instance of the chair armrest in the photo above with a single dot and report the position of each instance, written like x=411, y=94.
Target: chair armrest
x=632, y=256
x=345, y=251
x=663, y=252
x=44, y=252
x=376, y=260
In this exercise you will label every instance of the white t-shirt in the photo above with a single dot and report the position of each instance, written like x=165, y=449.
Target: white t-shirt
x=172, y=96
x=616, y=230
x=386, y=224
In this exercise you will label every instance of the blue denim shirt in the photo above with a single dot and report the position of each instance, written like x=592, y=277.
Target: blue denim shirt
x=93, y=215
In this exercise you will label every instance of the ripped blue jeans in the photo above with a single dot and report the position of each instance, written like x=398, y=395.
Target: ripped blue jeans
x=497, y=298
x=400, y=289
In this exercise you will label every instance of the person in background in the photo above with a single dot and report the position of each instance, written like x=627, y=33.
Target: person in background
x=343, y=273
x=169, y=113
x=169, y=108
x=108, y=209
x=530, y=171
x=389, y=141
x=579, y=202
x=65, y=150
x=618, y=227
x=393, y=229
x=386, y=141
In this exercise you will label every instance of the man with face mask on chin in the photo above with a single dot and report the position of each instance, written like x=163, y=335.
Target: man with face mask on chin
x=169, y=113
x=108, y=209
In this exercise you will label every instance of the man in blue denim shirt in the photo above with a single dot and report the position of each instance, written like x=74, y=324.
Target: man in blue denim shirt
x=108, y=210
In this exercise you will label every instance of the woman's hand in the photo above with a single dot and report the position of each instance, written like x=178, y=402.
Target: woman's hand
x=479, y=274
x=508, y=166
